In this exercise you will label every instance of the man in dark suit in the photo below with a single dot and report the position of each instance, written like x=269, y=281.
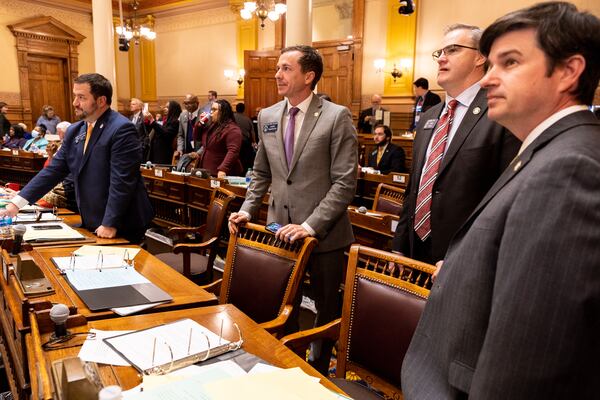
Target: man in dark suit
x=307, y=155
x=136, y=107
x=458, y=152
x=187, y=120
x=513, y=312
x=387, y=157
x=368, y=117
x=103, y=154
x=424, y=100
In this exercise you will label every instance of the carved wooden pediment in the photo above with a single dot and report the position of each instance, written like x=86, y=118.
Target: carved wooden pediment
x=46, y=28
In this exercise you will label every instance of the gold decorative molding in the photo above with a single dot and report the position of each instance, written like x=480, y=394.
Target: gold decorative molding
x=28, y=9
x=216, y=16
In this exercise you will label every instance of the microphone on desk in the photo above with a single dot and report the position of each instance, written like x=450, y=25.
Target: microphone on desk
x=362, y=209
x=19, y=231
x=59, y=313
x=148, y=164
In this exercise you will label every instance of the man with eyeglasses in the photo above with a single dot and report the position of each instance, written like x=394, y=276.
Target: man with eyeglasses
x=458, y=152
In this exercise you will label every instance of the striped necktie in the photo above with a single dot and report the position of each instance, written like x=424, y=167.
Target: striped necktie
x=430, y=172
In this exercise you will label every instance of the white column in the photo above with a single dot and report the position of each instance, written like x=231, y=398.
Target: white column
x=298, y=22
x=104, y=52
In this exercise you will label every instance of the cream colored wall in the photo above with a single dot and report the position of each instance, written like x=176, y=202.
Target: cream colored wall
x=376, y=15
x=192, y=50
x=14, y=11
x=433, y=16
x=329, y=24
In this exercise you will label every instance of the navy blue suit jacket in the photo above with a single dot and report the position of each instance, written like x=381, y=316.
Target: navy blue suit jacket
x=108, y=184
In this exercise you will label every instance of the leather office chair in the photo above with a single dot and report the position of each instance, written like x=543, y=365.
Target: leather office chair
x=380, y=313
x=388, y=199
x=262, y=275
x=195, y=260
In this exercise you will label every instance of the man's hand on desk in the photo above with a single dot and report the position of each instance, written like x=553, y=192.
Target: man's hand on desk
x=106, y=232
x=437, y=271
x=291, y=233
x=10, y=211
x=234, y=220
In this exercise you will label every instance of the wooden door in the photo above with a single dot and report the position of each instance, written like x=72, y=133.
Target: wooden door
x=337, y=72
x=48, y=84
x=260, y=88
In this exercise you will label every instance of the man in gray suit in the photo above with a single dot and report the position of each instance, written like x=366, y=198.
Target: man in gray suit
x=307, y=153
x=514, y=311
x=187, y=120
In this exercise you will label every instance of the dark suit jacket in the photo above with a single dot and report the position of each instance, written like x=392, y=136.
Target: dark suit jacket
x=161, y=146
x=392, y=160
x=143, y=136
x=4, y=125
x=366, y=127
x=513, y=312
x=108, y=185
x=475, y=158
x=430, y=100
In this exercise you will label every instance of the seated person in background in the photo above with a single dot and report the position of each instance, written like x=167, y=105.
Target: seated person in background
x=161, y=144
x=48, y=119
x=387, y=157
x=27, y=134
x=51, y=150
x=218, y=142
x=15, y=139
x=61, y=128
x=367, y=119
x=38, y=142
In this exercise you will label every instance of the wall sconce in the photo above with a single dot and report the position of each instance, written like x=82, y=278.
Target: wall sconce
x=241, y=74
x=396, y=72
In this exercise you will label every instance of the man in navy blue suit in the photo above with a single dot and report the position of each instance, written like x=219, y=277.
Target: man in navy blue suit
x=103, y=153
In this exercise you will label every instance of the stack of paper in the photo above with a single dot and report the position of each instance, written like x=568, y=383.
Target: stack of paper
x=47, y=232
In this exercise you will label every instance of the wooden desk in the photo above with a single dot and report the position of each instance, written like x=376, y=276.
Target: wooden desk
x=373, y=230
x=256, y=341
x=20, y=166
x=366, y=186
x=14, y=305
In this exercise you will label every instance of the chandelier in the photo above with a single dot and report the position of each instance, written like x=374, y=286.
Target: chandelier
x=263, y=11
x=135, y=29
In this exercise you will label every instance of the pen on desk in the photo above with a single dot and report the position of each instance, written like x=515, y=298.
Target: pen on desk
x=153, y=351
x=221, y=332
x=190, y=342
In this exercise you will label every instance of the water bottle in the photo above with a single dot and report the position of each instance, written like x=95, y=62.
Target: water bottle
x=5, y=228
x=248, y=176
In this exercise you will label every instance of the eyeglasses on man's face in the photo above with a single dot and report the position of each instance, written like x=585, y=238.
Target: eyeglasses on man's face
x=450, y=50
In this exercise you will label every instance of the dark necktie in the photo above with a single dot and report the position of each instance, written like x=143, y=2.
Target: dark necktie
x=289, y=135
x=430, y=172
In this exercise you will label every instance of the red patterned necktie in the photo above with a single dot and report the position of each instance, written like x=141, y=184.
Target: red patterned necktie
x=429, y=174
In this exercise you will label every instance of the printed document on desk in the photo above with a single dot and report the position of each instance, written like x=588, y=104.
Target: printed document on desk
x=102, y=289
x=88, y=262
x=26, y=218
x=50, y=232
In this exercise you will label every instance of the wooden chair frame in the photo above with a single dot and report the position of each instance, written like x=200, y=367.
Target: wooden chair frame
x=409, y=275
x=257, y=237
x=390, y=193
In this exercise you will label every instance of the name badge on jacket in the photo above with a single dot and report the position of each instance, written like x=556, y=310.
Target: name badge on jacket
x=80, y=137
x=270, y=127
x=430, y=124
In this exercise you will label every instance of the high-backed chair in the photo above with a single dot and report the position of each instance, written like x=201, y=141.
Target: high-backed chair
x=382, y=307
x=388, y=199
x=262, y=274
x=195, y=259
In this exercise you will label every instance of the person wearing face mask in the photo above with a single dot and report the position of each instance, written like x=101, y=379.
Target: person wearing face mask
x=218, y=142
x=387, y=157
x=38, y=140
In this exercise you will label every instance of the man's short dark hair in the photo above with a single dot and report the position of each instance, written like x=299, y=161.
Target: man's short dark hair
x=240, y=108
x=2, y=104
x=310, y=60
x=386, y=130
x=213, y=93
x=561, y=32
x=99, y=85
x=422, y=83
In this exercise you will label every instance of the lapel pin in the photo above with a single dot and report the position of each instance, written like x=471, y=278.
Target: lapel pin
x=316, y=114
x=517, y=166
x=101, y=126
x=476, y=110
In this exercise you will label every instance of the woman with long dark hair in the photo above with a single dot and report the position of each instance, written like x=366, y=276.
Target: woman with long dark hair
x=219, y=141
x=15, y=139
x=161, y=144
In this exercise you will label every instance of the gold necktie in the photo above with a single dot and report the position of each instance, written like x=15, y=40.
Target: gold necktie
x=380, y=151
x=87, y=136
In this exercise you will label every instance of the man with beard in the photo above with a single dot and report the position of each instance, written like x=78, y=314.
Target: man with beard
x=103, y=154
x=387, y=157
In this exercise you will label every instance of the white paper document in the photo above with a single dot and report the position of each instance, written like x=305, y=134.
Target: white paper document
x=105, y=278
x=124, y=311
x=50, y=232
x=167, y=343
x=32, y=217
x=95, y=350
x=126, y=253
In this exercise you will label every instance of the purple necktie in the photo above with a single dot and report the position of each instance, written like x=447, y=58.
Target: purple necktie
x=289, y=135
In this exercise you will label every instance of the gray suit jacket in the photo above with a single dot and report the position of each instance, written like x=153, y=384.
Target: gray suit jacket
x=183, y=122
x=514, y=312
x=321, y=182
